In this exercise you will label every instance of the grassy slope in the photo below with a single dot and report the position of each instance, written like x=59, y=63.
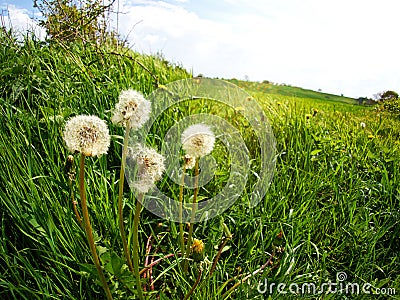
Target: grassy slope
x=290, y=91
x=335, y=194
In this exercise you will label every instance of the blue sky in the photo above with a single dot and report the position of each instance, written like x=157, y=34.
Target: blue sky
x=345, y=47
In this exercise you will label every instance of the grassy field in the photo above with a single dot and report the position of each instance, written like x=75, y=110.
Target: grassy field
x=290, y=91
x=332, y=207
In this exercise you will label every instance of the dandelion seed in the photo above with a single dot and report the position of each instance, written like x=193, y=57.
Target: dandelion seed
x=87, y=134
x=198, y=140
x=150, y=167
x=131, y=108
x=362, y=125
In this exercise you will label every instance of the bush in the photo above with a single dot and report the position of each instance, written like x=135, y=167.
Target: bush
x=392, y=106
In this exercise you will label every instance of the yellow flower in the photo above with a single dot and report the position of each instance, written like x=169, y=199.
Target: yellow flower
x=371, y=136
x=198, y=246
x=239, y=109
x=198, y=250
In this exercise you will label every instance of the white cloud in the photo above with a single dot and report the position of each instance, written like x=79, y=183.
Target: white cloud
x=22, y=21
x=179, y=34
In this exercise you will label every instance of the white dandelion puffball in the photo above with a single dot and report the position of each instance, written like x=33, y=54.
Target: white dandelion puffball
x=362, y=124
x=150, y=167
x=198, y=140
x=131, y=108
x=87, y=134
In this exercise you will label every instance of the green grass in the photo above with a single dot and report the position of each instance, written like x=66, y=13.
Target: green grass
x=334, y=197
x=290, y=91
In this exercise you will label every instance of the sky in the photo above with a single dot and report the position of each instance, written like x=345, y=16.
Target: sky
x=348, y=47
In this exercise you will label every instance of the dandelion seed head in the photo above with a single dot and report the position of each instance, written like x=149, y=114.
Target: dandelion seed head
x=150, y=167
x=198, y=140
x=87, y=134
x=362, y=125
x=131, y=108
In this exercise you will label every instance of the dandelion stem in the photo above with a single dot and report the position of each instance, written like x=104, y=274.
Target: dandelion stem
x=189, y=240
x=136, y=244
x=180, y=211
x=88, y=227
x=120, y=196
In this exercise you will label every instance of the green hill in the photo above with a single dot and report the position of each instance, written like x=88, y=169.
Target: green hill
x=290, y=91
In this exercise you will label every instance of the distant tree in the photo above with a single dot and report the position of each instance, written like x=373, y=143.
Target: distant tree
x=70, y=20
x=388, y=95
x=389, y=101
x=366, y=101
x=392, y=106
